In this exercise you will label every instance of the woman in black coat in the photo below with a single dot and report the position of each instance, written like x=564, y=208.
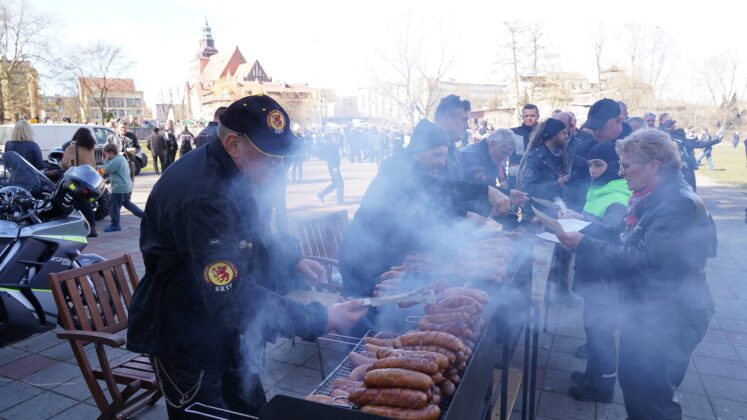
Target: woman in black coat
x=660, y=269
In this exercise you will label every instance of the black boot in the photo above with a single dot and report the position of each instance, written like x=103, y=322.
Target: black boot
x=599, y=389
x=578, y=377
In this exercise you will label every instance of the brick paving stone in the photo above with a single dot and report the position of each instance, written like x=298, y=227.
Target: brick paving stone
x=38, y=342
x=729, y=389
x=737, y=339
x=273, y=371
x=717, y=350
x=720, y=367
x=16, y=393
x=26, y=366
x=556, y=381
x=301, y=380
x=52, y=377
x=565, y=362
x=610, y=412
x=62, y=351
x=694, y=405
x=733, y=324
x=716, y=335
x=77, y=389
x=331, y=360
x=78, y=411
x=692, y=384
x=730, y=410
x=10, y=354
x=296, y=355
x=156, y=412
x=41, y=406
x=567, y=344
x=561, y=406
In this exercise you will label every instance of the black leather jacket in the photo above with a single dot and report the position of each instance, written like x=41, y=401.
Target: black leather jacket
x=661, y=258
x=209, y=265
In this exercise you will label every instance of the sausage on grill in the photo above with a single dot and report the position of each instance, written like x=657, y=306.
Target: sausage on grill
x=447, y=388
x=358, y=373
x=359, y=359
x=476, y=294
x=429, y=412
x=441, y=360
x=429, y=338
x=454, y=328
x=472, y=310
x=346, y=384
x=416, y=363
x=324, y=399
x=381, y=342
x=436, y=349
x=392, y=397
x=397, y=378
x=440, y=318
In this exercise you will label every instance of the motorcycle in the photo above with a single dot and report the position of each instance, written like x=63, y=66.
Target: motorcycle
x=54, y=171
x=41, y=231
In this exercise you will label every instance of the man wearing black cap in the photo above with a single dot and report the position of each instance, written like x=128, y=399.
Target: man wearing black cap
x=405, y=209
x=203, y=311
x=542, y=171
x=605, y=120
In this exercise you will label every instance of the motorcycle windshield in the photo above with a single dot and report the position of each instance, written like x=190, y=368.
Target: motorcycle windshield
x=19, y=172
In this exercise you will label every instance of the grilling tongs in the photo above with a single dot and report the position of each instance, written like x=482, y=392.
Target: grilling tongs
x=425, y=295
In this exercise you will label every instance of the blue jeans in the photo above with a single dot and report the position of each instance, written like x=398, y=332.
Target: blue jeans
x=115, y=204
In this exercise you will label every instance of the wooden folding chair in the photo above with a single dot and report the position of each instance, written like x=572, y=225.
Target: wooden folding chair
x=321, y=237
x=92, y=303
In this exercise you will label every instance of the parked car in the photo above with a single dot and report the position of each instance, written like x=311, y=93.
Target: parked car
x=51, y=137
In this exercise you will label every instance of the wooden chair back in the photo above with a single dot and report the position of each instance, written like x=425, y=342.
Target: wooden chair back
x=95, y=297
x=321, y=236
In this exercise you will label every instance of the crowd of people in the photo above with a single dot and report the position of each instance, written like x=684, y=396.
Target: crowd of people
x=639, y=265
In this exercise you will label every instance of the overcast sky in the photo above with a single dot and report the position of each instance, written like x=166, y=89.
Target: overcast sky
x=337, y=43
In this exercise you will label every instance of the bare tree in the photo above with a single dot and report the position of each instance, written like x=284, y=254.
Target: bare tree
x=410, y=81
x=513, y=47
x=22, y=40
x=720, y=75
x=536, y=47
x=598, y=41
x=660, y=52
x=96, y=74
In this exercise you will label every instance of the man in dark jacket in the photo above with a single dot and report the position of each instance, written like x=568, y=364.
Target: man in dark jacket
x=171, y=144
x=206, y=135
x=203, y=311
x=605, y=121
x=686, y=146
x=406, y=209
x=156, y=143
x=331, y=154
x=529, y=120
x=452, y=117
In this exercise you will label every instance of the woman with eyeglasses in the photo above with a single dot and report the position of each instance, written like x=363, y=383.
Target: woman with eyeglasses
x=659, y=266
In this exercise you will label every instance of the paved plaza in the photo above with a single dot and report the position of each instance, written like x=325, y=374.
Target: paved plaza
x=39, y=378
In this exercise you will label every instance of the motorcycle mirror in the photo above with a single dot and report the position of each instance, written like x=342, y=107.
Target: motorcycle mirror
x=73, y=254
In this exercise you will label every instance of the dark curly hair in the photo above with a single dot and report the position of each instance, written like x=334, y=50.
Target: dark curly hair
x=84, y=138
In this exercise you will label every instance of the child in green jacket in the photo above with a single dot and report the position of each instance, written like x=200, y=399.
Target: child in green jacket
x=116, y=166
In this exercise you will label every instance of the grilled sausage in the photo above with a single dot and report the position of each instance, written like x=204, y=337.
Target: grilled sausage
x=380, y=342
x=324, y=399
x=441, y=360
x=458, y=302
x=462, y=366
x=429, y=338
x=460, y=357
x=337, y=392
x=447, y=317
x=358, y=373
x=437, y=378
x=476, y=294
x=469, y=344
x=359, y=359
x=472, y=310
x=397, y=378
x=454, y=328
x=416, y=363
x=436, y=399
x=392, y=397
x=346, y=384
x=447, y=388
x=436, y=349
x=386, y=334
x=429, y=412
x=454, y=378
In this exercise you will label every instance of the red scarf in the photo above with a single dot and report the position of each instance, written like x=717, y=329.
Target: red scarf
x=633, y=202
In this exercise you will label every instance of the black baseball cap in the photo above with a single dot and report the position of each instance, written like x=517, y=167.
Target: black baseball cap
x=602, y=111
x=264, y=122
x=426, y=136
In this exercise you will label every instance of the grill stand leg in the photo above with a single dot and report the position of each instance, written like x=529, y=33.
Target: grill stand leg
x=525, y=388
x=321, y=360
x=504, y=380
x=535, y=351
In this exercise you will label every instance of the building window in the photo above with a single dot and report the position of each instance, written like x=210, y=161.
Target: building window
x=116, y=102
x=133, y=103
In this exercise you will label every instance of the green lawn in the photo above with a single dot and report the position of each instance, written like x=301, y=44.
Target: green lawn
x=730, y=165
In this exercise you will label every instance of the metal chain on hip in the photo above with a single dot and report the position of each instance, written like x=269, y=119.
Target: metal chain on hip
x=184, y=397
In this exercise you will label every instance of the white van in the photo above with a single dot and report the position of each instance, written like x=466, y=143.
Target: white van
x=49, y=136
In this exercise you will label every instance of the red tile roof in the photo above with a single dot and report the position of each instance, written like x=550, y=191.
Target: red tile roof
x=126, y=85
